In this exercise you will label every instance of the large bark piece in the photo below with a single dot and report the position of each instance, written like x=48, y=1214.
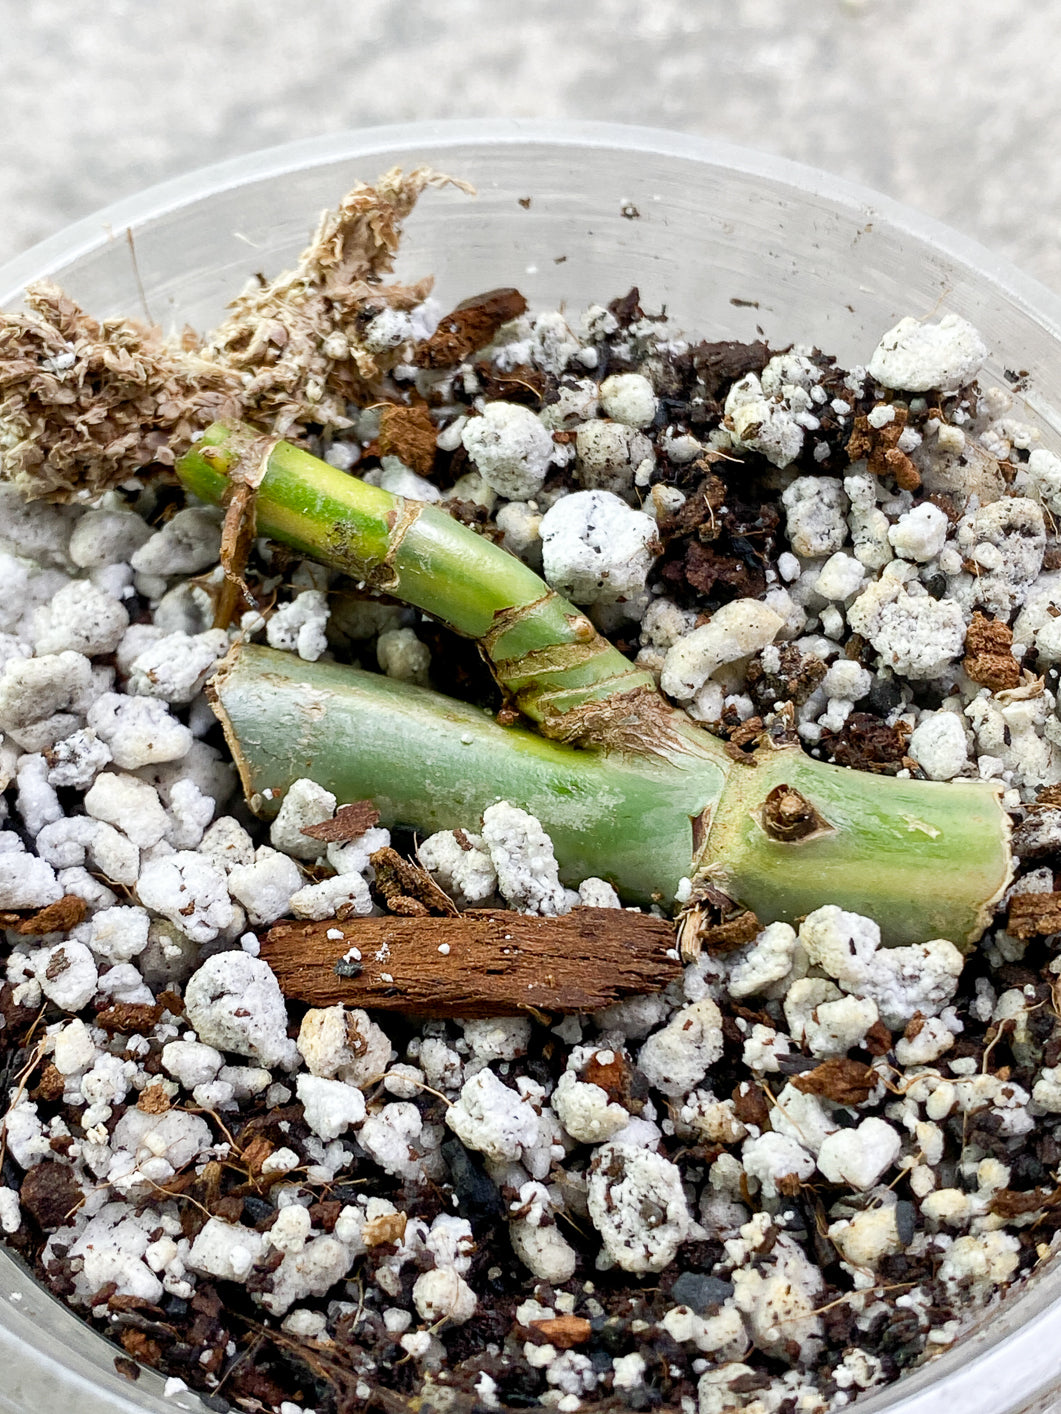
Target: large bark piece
x=482, y=963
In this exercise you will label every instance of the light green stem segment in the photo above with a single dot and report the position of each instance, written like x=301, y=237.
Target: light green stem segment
x=924, y=859
x=545, y=653
x=431, y=763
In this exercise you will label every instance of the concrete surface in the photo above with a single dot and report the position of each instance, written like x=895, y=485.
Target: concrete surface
x=949, y=105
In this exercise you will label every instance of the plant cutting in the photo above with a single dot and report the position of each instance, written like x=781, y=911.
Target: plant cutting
x=626, y=785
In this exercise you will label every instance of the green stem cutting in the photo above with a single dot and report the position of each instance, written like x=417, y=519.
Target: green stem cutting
x=655, y=801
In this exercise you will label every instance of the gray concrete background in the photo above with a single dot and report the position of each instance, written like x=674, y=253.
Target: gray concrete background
x=949, y=105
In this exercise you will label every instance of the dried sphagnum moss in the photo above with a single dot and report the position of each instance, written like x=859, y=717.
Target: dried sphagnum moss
x=86, y=404
x=298, y=341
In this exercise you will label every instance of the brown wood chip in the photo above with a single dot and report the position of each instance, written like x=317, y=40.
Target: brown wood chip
x=52, y=1083
x=325, y=1214
x=696, y=515
x=986, y=635
x=1034, y=915
x=914, y=1026
x=129, y=1369
x=907, y=476
x=407, y=432
x=988, y=656
x=388, y=1227
x=51, y=1194
x=348, y=823
x=522, y=384
x=255, y=1153
x=1000, y=672
x=129, y=1016
x=878, y=1039
x=724, y=361
x=470, y=326
x=613, y=1077
x=562, y=1331
x=878, y=446
x=407, y=888
x=844, y=1080
x=141, y=1347
x=750, y=1105
x=58, y=917
x=482, y=963
x=749, y=1383
x=154, y=1100
x=229, y=1208
x=1011, y=1203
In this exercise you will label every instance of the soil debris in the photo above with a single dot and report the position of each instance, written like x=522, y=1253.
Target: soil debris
x=988, y=656
x=349, y=822
x=1034, y=915
x=408, y=889
x=407, y=432
x=842, y=1079
x=469, y=327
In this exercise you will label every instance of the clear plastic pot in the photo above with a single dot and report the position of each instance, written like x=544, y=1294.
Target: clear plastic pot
x=730, y=241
